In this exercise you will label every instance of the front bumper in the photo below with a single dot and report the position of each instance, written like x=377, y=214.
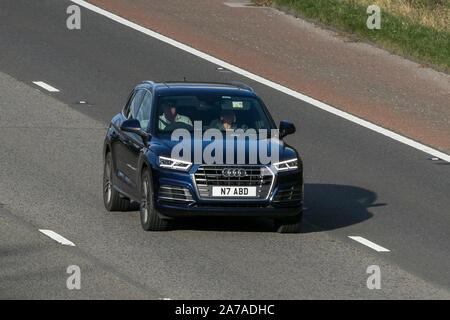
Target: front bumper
x=276, y=205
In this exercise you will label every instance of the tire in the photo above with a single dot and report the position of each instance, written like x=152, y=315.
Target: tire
x=111, y=197
x=289, y=225
x=150, y=219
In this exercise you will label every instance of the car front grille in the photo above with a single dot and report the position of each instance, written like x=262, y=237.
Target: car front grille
x=174, y=194
x=208, y=176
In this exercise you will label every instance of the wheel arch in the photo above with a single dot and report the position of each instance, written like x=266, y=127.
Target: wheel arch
x=106, y=149
x=144, y=164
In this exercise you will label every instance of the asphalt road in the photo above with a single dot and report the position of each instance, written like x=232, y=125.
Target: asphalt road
x=358, y=183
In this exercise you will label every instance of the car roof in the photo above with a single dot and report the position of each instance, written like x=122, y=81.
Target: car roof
x=181, y=87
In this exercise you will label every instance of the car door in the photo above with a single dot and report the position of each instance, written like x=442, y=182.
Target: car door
x=116, y=143
x=122, y=144
x=135, y=143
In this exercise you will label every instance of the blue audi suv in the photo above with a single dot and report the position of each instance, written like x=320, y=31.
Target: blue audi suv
x=184, y=149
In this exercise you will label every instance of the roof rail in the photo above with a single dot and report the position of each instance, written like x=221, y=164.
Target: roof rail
x=241, y=85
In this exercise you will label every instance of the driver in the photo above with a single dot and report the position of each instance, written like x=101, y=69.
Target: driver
x=170, y=116
x=227, y=121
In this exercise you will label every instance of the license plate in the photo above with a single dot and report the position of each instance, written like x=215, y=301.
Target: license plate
x=234, y=192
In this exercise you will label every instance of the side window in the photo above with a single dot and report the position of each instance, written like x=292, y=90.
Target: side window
x=143, y=115
x=135, y=103
x=126, y=109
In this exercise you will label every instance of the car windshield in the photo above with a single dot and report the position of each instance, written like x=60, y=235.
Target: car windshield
x=212, y=110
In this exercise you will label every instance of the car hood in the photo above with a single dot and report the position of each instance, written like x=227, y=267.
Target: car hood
x=164, y=147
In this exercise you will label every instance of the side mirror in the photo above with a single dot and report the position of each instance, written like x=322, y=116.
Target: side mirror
x=134, y=126
x=286, y=128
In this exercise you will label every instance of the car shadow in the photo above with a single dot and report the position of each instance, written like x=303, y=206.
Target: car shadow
x=327, y=207
x=231, y=224
x=331, y=206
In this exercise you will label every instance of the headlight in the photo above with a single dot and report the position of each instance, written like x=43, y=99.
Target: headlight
x=175, y=164
x=286, y=165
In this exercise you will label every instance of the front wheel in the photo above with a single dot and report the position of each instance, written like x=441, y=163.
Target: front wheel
x=150, y=220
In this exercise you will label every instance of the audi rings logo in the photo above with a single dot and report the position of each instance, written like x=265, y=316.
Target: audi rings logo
x=234, y=172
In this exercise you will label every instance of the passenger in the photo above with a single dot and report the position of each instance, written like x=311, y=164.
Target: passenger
x=170, y=116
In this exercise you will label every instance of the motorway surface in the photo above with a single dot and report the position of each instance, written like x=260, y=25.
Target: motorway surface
x=357, y=183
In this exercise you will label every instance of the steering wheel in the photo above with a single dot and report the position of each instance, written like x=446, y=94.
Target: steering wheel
x=178, y=125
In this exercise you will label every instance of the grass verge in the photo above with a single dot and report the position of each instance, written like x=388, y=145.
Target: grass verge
x=422, y=34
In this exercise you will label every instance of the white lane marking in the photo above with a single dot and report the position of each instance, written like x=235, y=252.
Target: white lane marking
x=269, y=83
x=57, y=237
x=45, y=86
x=370, y=244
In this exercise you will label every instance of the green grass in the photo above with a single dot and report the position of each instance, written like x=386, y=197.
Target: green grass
x=397, y=33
